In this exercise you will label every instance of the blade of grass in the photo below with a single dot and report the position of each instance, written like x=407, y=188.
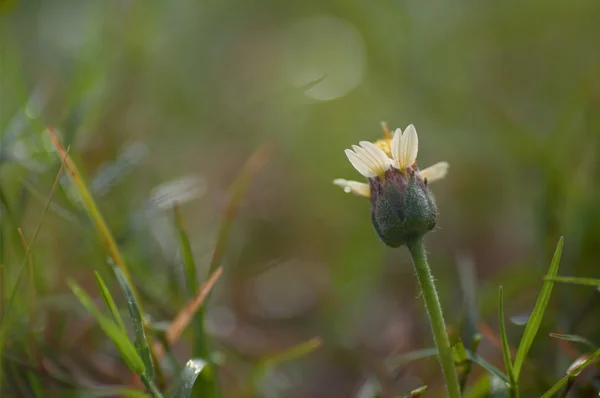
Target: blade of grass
x=236, y=192
x=297, y=351
x=292, y=353
x=575, y=280
x=91, y=207
x=118, y=336
x=183, y=318
x=141, y=343
x=200, y=347
x=109, y=301
x=512, y=388
x=187, y=256
x=538, y=313
x=574, y=339
x=190, y=373
x=397, y=362
x=494, y=371
x=98, y=221
x=34, y=239
x=555, y=388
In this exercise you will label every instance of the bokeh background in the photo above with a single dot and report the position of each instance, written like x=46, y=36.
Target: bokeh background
x=165, y=101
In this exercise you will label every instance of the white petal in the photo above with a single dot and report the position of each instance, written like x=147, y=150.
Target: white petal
x=360, y=165
x=379, y=157
x=365, y=156
x=435, y=172
x=409, y=146
x=357, y=188
x=395, y=149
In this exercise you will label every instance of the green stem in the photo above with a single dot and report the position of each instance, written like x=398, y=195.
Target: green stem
x=434, y=310
x=154, y=391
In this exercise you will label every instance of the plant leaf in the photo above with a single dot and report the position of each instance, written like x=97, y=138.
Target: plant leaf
x=494, y=371
x=396, y=362
x=187, y=256
x=190, y=373
x=141, y=343
x=118, y=336
x=574, y=280
x=555, y=388
x=573, y=338
x=109, y=301
x=535, y=320
x=505, y=346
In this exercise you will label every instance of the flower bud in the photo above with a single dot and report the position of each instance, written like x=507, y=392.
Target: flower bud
x=402, y=206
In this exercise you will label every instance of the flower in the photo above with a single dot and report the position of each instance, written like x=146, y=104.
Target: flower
x=402, y=206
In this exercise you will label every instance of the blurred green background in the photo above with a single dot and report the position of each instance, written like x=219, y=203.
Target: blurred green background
x=165, y=101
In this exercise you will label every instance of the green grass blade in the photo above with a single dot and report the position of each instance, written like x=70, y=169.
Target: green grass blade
x=535, y=319
x=141, y=342
x=494, y=371
x=574, y=339
x=575, y=280
x=292, y=353
x=187, y=256
x=29, y=252
x=555, y=388
x=295, y=352
x=200, y=348
x=190, y=373
x=118, y=336
x=109, y=301
x=397, y=362
x=505, y=346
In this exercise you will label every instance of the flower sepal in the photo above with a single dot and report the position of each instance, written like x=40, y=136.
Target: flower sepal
x=402, y=208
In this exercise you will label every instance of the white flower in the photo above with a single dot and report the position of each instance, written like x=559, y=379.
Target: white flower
x=374, y=160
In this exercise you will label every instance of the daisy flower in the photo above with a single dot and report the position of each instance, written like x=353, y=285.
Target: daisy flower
x=401, y=204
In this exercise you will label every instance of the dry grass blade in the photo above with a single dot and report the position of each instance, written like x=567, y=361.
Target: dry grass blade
x=184, y=317
x=239, y=187
x=29, y=249
x=90, y=205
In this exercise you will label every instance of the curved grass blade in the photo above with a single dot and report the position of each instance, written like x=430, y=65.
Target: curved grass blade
x=571, y=376
x=292, y=353
x=575, y=280
x=141, y=343
x=535, y=320
x=190, y=373
x=109, y=301
x=295, y=352
x=90, y=206
x=494, y=371
x=183, y=318
x=397, y=362
x=505, y=346
x=574, y=339
x=238, y=189
x=118, y=336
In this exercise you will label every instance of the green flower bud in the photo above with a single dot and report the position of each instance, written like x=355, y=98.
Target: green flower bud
x=402, y=206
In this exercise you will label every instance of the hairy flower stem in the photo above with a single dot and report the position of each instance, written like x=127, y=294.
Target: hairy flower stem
x=436, y=319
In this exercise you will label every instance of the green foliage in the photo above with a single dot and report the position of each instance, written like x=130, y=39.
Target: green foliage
x=109, y=301
x=193, y=368
x=574, y=339
x=505, y=347
x=113, y=331
x=141, y=342
x=538, y=313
